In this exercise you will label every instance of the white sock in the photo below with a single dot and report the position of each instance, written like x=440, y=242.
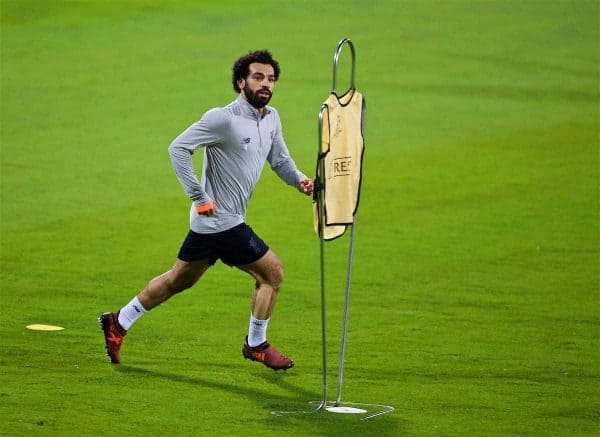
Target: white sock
x=130, y=313
x=257, y=331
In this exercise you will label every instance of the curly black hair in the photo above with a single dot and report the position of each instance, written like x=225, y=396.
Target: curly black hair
x=241, y=68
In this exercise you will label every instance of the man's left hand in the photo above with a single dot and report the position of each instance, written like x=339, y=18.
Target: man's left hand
x=306, y=186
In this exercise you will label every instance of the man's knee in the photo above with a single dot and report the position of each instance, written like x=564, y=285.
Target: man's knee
x=276, y=275
x=267, y=271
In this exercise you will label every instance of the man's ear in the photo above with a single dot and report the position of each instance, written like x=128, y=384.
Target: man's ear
x=241, y=83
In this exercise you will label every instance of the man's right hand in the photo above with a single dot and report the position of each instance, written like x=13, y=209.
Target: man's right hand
x=206, y=208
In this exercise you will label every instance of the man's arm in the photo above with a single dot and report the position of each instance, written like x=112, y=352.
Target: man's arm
x=208, y=130
x=285, y=167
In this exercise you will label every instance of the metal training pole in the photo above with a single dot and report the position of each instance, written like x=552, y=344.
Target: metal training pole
x=339, y=406
x=346, y=310
x=320, y=209
x=336, y=57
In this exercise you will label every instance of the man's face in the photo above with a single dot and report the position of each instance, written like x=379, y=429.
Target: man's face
x=257, y=87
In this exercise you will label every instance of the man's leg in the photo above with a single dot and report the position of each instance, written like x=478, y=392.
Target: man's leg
x=268, y=273
x=182, y=276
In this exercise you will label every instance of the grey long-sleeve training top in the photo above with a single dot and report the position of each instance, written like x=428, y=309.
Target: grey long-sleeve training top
x=237, y=141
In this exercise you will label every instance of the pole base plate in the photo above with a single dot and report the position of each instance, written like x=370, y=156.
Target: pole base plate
x=346, y=410
x=369, y=411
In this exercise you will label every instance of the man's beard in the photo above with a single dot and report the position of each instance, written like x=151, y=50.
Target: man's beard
x=256, y=99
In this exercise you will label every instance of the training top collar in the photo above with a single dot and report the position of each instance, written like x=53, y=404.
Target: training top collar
x=250, y=110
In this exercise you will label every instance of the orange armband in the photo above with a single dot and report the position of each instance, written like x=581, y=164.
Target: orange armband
x=207, y=208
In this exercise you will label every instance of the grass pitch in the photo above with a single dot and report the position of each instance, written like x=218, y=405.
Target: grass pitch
x=475, y=305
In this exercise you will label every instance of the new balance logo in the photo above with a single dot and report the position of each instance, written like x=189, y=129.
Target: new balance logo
x=246, y=140
x=137, y=309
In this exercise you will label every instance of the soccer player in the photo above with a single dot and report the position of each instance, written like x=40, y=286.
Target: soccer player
x=237, y=140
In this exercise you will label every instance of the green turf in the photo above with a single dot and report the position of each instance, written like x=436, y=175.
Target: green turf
x=476, y=298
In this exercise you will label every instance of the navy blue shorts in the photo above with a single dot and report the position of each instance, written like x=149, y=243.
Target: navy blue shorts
x=235, y=247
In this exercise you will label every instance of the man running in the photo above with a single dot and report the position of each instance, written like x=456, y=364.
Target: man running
x=237, y=140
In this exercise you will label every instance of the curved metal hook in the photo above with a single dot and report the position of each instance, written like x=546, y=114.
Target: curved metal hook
x=336, y=56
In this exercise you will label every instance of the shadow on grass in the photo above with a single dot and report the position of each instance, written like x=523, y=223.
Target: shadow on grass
x=251, y=392
x=298, y=399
